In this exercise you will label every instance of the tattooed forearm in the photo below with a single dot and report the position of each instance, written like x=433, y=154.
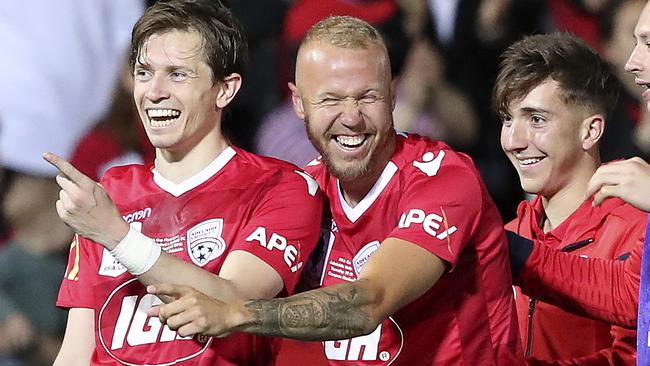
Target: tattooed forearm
x=334, y=312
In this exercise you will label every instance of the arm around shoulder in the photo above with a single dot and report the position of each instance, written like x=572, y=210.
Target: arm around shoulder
x=350, y=309
x=603, y=289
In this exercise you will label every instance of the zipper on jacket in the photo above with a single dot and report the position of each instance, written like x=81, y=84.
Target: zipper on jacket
x=529, y=340
x=532, y=301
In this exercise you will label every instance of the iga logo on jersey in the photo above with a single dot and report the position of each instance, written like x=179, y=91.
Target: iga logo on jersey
x=204, y=241
x=381, y=346
x=430, y=222
x=131, y=337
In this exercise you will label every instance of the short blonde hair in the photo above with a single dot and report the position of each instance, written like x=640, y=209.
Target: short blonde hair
x=345, y=32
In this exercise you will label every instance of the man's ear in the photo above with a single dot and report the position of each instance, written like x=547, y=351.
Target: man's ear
x=297, y=101
x=229, y=86
x=592, y=130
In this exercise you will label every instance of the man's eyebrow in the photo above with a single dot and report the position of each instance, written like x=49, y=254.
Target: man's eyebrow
x=531, y=110
x=141, y=65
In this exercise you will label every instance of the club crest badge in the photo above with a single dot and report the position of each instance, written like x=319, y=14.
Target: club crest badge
x=204, y=242
x=361, y=258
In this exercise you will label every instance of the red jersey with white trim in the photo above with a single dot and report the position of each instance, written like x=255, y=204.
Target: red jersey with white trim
x=239, y=202
x=433, y=197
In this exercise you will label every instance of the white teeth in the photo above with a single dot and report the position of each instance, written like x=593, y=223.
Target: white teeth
x=157, y=113
x=162, y=117
x=159, y=123
x=530, y=161
x=350, y=141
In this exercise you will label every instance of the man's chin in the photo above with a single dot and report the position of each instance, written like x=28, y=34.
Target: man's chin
x=347, y=170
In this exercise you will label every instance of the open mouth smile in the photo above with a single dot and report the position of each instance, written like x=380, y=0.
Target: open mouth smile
x=162, y=117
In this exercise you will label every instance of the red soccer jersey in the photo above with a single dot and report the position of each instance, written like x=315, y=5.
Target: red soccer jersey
x=434, y=197
x=239, y=202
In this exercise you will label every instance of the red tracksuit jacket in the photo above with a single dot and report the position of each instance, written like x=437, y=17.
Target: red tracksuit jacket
x=552, y=335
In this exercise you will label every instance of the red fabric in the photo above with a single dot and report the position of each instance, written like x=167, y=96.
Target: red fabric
x=603, y=289
x=305, y=13
x=99, y=148
x=569, y=18
x=294, y=353
x=557, y=334
x=468, y=316
x=239, y=202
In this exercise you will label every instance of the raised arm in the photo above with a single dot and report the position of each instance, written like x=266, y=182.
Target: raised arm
x=86, y=207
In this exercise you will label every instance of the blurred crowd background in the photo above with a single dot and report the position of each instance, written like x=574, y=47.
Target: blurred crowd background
x=66, y=88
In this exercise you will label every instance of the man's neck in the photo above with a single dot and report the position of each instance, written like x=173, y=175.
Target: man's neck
x=356, y=189
x=559, y=206
x=180, y=164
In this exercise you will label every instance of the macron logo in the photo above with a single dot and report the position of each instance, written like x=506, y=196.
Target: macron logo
x=430, y=163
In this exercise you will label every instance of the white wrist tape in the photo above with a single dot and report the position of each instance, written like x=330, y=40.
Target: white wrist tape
x=136, y=252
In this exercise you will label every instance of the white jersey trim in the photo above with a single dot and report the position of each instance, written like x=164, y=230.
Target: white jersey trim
x=353, y=213
x=201, y=177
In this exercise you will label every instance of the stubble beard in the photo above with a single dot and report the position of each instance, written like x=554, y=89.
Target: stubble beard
x=352, y=169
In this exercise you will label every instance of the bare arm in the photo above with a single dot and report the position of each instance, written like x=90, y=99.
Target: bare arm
x=79, y=339
x=242, y=276
x=334, y=312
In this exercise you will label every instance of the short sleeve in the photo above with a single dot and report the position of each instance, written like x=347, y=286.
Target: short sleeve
x=285, y=225
x=440, y=213
x=76, y=289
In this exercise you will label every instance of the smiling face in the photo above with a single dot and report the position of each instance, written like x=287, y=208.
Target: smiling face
x=542, y=138
x=174, y=93
x=639, y=61
x=344, y=96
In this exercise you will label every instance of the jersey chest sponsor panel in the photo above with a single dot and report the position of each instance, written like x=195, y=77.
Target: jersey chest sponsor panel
x=201, y=226
x=448, y=324
x=196, y=227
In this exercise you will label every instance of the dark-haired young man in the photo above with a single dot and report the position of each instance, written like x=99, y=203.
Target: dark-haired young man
x=553, y=94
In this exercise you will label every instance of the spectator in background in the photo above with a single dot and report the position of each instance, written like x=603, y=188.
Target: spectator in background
x=118, y=139
x=31, y=265
x=630, y=134
x=61, y=62
x=580, y=17
x=262, y=92
x=428, y=105
x=470, y=35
